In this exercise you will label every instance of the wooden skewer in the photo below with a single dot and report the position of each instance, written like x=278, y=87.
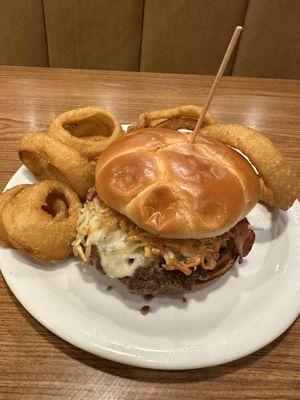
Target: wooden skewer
x=224, y=62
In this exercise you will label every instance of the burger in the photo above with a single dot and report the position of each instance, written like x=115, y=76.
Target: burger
x=167, y=215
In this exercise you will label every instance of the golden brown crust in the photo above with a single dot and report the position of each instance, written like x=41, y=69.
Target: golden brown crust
x=89, y=130
x=158, y=211
x=126, y=176
x=175, y=189
x=48, y=158
x=147, y=139
x=184, y=117
x=280, y=186
x=33, y=229
x=5, y=198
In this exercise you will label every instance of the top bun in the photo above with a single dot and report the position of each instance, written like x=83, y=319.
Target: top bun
x=175, y=189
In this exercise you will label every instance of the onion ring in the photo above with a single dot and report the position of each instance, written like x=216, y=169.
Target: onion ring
x=56, y=207
x=48, y=158
x=88, y=130
x=266, y=196
x=184, y=117
x=280, y=186
x=30, y=227
x=5, y=198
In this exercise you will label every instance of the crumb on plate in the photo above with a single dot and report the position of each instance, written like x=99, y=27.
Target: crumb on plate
x=144, y=310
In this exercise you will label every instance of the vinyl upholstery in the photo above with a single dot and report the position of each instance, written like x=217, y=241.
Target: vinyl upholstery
x=177, y=36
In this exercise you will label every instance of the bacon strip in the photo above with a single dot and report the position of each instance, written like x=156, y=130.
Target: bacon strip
x=243, y=237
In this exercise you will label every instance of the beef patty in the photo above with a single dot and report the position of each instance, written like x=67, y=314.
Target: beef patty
x=156, y=279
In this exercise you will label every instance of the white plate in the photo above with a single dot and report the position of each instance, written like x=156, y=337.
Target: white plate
x=245, y=310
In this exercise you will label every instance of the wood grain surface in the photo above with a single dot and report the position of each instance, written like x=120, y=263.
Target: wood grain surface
x=35, y=364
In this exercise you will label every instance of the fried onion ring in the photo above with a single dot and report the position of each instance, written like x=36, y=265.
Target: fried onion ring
x=280, y=186
x=30, y=227
x=48, y=158
x=56, y=207
x=88, y=130
x=5, y=198
x=184, y=117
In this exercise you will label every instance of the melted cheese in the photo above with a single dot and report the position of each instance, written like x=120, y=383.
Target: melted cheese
x=123, y=247
x=118, y=259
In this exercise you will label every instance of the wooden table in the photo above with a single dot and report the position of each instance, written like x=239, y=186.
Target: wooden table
x=35, y=364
